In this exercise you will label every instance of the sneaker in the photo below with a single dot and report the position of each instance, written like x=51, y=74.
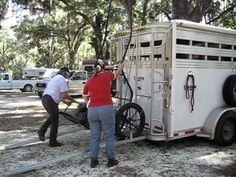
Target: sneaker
x=112, y=162
x=41, y=135
x=94, y=163
x=56, y=144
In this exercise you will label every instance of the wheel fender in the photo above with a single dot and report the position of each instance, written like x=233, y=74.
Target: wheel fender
x=213, y=118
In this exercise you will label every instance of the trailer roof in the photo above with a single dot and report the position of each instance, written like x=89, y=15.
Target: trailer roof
x=178, y=23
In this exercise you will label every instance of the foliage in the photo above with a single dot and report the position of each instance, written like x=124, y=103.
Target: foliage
x=10, y=55
x=64, y=32
x=3, y=9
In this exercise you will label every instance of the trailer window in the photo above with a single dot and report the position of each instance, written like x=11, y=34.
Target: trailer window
x=198, y=57
x=157, y=43
x=234, y=59
x=145, y=57
x=182, y=56
x=198, y=43
x=225, y=58
x=157, y=57
x=226, y=46
x=213, y=45
x=182, y=42
x=235, y=47
x=132, y=46
x=213, y=58
x=145, y=44
x=132, y=58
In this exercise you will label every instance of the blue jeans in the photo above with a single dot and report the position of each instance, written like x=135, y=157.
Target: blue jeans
x=102, y=119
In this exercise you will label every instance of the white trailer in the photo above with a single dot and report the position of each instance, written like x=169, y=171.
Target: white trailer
x=183, y=81
x=33, y=72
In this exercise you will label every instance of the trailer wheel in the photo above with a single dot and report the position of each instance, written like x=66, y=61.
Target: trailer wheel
x=225, y=129
x=229, y=90
x=130, y=118
x=28, y=88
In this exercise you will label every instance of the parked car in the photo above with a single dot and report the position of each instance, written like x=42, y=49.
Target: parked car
x=76, y=84
x=8, y=83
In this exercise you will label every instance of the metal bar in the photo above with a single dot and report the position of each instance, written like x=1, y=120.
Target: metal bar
x=39, y=165
x=36, y=139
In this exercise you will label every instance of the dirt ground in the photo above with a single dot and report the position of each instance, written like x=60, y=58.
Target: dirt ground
x=21, y=114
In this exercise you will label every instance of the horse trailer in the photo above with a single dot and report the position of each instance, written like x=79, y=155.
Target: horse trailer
x=180, y=82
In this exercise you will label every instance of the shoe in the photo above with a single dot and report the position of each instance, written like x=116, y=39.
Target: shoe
x=112, y=162
x=94, y=163
x=56, y=144
x=41, y=135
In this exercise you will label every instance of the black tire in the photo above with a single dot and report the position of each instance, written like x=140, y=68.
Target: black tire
x=229, y=90
x=130, y=118
x=226, y=129
x=28, y=88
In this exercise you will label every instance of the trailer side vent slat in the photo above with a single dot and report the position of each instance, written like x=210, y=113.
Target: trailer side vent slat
x=157, y=43
x=198, y=43
x=226, y=46
x=213, y=58
x=212, y=45
x=145, y=44
x=225, y=58
x=182, y=42
x=198, y=57
x=182, y=56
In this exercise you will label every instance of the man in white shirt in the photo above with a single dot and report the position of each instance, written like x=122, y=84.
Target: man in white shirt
x=55, y=92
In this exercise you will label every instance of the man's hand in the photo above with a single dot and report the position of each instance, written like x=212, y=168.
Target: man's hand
x=67, y=102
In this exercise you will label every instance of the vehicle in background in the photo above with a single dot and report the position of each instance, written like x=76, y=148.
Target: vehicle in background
x=33, y=72
x=76, y=84
x=40, y=85
x=8, y=83
x=87, y=65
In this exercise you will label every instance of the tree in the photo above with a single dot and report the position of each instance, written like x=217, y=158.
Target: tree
x=10, y=57
x=3, y=9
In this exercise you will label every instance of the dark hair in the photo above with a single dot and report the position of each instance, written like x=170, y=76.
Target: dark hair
x=65, y=69
x=99, y=62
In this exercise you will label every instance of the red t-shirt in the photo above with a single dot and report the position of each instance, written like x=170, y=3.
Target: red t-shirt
x=98, y=88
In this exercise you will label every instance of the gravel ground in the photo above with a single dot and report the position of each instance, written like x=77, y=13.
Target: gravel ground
x=21, y=114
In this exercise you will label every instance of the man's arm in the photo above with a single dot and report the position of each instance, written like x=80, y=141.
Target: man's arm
x=65, y=95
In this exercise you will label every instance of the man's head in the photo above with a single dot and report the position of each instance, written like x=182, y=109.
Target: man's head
x=65, y=72
x=99, y=66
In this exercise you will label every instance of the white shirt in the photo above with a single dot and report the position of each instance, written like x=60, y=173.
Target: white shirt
x=55, y=86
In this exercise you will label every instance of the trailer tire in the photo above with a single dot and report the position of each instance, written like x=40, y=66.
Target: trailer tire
x=28, y=88
x=229, y=90
x=226, y=129
x=126, y=124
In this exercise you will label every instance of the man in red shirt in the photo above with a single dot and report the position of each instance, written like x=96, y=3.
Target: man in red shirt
x=101, y=114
